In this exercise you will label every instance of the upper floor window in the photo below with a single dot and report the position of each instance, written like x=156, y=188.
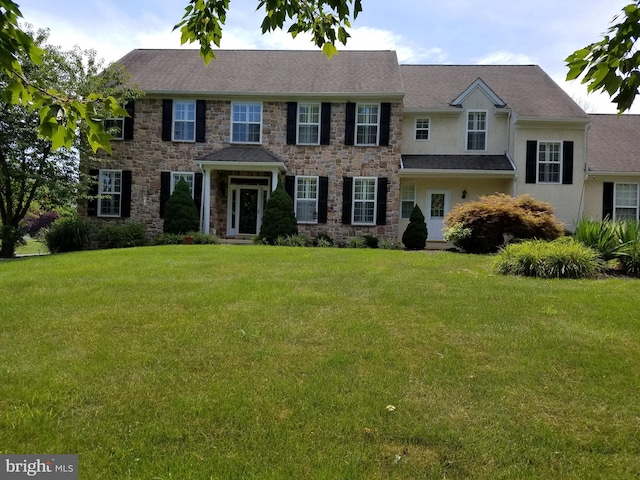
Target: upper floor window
x=246, y=124
x=306, y=199
x=423, y=128
x=184, y=120
x=364, y=200
x=625, y=202
x=186, y=176
x=367, y=122
x=477, y=130
x=109, y=193
x=115, y=127
x=408, y=194
x=309, y=123
x=549, y=162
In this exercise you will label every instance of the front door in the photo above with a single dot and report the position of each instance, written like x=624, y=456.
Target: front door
x=246, y=200
x=437, y=208
x=248, y=211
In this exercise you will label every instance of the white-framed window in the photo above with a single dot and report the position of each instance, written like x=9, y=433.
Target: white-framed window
x=115, y=127
x=549, y=162
x=625, y=202
x=187, y=176
x=367, y=123
x=306, y=201
x=477, y=130
x=109, y=193
x=246, y=123
x=408, y=198
x=309, y=124
x=184, y=121
x=423, y=129
x=364, y=200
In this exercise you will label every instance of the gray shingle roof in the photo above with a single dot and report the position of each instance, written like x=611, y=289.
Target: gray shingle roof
x=614, y=143
x=457, y=162
x=526, y=89
x=266, y=72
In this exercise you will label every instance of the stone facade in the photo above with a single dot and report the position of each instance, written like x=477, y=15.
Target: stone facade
x=147, y=155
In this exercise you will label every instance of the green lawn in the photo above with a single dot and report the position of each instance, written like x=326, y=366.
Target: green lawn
x=223, y=362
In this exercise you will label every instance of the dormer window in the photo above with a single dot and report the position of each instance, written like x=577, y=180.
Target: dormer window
x=477, y=130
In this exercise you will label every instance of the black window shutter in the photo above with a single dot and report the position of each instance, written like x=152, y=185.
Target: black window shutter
x=531, y=161
x=385, y=123
x=125, y=206
x=381, y=207
x=197, y=191
x=567, y=163
x=165, y=190
x=201, y=120
x=607, y=201
x=325, y=123
x=350, y=124
x=347, y=199
x=290, y=186
x=167, y=119
x=292, y=114
x=92, y=204
x=323, y=195
x=128, y=121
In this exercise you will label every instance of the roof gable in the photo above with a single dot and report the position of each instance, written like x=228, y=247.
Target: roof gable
x=483, y=87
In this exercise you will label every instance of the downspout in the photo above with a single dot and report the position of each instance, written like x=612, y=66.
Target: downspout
x=586, y=169
x=202, y=200
x=514, y=188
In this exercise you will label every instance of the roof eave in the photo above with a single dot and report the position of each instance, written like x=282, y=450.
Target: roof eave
x=610, y=173
x=199, y=93
x=420, y=172
x=243, y=166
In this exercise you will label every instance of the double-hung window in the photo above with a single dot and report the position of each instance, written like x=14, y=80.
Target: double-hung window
x=549, y=162
x=115, y=127
x=109, y=193
x=184, y=121
x=306, y=201
x=309, y=123
x=477, y=130
x=246, y=125
x=625, y=202
x=408, y=194
x=367, y=123
x=423, y=128
x=186, y=176
x=364, y=200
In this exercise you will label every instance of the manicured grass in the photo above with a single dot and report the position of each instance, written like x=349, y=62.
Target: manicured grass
x=33, y=247
x=198, y=362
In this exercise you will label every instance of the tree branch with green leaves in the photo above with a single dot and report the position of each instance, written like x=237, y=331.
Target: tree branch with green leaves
x=612, y=65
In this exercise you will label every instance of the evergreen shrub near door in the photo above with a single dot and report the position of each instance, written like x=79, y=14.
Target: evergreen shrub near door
x=180, y=213
x=415, y=236
x=278, y=219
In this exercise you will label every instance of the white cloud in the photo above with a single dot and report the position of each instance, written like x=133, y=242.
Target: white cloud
x=505, y=58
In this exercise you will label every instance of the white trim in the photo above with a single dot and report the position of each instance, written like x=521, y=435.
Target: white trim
x=193, y=181
x=299, y=124
x=415, y=194
x=115, y=119
x=239, y=142
x=295, y=198
x=415, y=129
x=377, y=125
x=173, y=121
x=615, y=195
x=430, y=221
x=479, y=84
x=353, y=200
x=486, y=131
x=422, y=172
x=560, y=162
x=102, y=194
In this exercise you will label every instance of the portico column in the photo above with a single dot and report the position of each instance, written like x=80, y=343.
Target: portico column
x=206, y=202
x=274, y=179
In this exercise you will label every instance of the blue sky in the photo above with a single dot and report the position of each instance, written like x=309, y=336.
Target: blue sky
x=420, y=31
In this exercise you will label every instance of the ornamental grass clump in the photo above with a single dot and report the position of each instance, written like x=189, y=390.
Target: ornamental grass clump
x=495, y=218
x=601, y=236
x=562, y=258
x=628, y=253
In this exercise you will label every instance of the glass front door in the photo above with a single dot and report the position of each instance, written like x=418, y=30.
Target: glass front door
x=246, y=200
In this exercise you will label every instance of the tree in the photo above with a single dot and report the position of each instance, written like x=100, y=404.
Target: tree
x=180, y=213
x=30, y=167
x=415, y=236
x=612, y=65
x=278, y=219
x=324, y=19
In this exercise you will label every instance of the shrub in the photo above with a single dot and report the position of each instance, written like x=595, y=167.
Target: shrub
x=122, y=236
x=628, y=253
x=370, y=241
x=323, y=240
x=563, y=258
x=68, y=234
x=168, y=239
x=200, y=238
x=180, y=213
x=356, y=242
x=601, y=236
x=494, y=218
x=278, y=219
x=390, y=245
x=415, y=236
x=457, y=234
x=37, y=220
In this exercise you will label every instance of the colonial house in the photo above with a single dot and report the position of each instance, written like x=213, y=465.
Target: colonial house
x=356, y=140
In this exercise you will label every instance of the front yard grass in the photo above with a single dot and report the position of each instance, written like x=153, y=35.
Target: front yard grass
x=217, y=362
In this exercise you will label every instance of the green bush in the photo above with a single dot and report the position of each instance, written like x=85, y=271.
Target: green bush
x=68, y=234
x=390, y=245
x=278, y=219
x=628, y=253
x=356, y=242
x=323, y=240
x=601, y=236
x=415, y=236
x=199, y=238
x=122, y=236
x=168, y=239
x=180, y=213
x=563, y=258
x=370, y=241
x=494, y=218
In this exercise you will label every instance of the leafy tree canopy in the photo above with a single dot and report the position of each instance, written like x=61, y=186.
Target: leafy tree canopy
x=612, y=65
x=326, y=20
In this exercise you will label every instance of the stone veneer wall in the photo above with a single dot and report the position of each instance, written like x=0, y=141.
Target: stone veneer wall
x=147, y=155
